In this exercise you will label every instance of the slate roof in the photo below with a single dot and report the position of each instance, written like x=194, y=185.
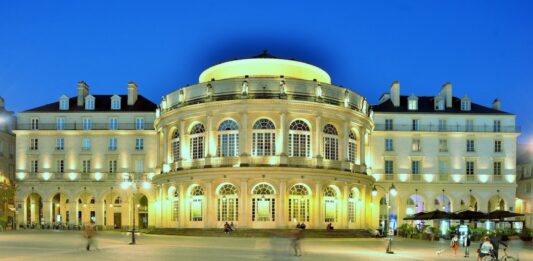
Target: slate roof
x=102, y=104
x=426, y=104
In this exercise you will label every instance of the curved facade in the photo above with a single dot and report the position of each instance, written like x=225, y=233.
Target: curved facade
x=263, y=152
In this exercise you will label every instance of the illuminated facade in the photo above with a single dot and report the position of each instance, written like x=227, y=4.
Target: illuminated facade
x=261, y=142
x=7, y=162
x=524, y=195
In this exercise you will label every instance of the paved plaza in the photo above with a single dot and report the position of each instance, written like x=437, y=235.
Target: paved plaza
x=67, y=245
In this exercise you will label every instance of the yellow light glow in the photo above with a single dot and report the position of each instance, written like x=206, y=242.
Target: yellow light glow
x=166, y=168
x=510, y=178
x=377, y=177
x=146, y=185
x=483, y=178
x=264, y=67
x=151, y=175
x=456, y=178
x=403, y=177
x=46, y=176
x=429, y=177
x=21, y=175
x=98, y=176
x=72, y=176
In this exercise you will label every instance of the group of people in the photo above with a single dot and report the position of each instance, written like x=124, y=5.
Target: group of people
x=329, y=227
x=487, y=247
x=300, y=225
x=229, y=227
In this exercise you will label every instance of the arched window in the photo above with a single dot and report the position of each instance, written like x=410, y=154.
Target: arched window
x=197, y=208
x=173, y=196
x=330, y=204
x=331, y=142
x=352, y=201
x=175, y=146
x=298, y=203
x=228, y=203
x=299, y=139
x=197, y=140
x=228, y=139
x=352, y=147
x=263, y=203
x=264, y=138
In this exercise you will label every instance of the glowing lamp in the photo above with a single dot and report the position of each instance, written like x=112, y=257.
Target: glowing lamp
x=21, y=175
x=393, y=191
x=374, y=191
x=146, y=185
x=46, y=175
x=72, y=176
x=166, y=168
x=97, y=176
x=124, y=185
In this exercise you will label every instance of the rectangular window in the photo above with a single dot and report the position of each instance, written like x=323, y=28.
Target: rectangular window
x=34, y=123
x=388, y=124
x=139, y=144
x=86, y=166
x=34, y=144
x=470, y=168
x=60, y=166
x=469, y=125
x=412, y=104
x=415, y=145
x=443, y=145
x=389, y=167
x=60, y=123
x=87, y=123
x=497, y=126
x=442, y=125
x=89, y=103
x=86, y=144
x=443, y=167
x=139, y=123
x=389, y=145
x=115, y=104
x=414, y=125
x=497, y=168
x=63, y=104
x=113, y=166
x=113, y=123
x=415, y=167
x=60, y=144
x=139, y=166
x=34, y=166
x=497, y=146
x=470, y=147
x=113, y=144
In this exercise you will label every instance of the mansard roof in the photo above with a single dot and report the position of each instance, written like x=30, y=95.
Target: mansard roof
x=426, y=104
x=102, y=104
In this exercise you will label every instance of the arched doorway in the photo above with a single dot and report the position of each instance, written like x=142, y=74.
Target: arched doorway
x=388, y=212
x=353, y=199
x=496, y=203
x=34, y=210
x=299, y=198
x=331, y=198
x=196, y=213
x=86, y=206
x=142, y=212
x=263, y=205
x=60, y=210
x=173, y=197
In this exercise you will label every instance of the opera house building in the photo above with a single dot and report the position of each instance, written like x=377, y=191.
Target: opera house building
x=262, y=142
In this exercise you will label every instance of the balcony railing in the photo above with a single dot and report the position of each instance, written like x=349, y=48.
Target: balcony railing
x=446, y=128
x=81, y=126
x=445, y=178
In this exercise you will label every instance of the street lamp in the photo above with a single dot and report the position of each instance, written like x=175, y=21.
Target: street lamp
x=390, y=192
x=129, y=184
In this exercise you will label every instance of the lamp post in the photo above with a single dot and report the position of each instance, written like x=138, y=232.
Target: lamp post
x=130, y=185
x=390, y=192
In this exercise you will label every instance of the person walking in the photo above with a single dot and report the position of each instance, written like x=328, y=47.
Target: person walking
x=455, y=244
x=89, y=231
x=466, y=245
x=296, y=242
x=485, y=248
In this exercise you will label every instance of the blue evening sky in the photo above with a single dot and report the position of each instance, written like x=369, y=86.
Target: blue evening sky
x=485, y=48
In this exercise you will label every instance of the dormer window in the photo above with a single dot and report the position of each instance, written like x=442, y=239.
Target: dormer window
x=63, y=103
x=439, y=103
x=115, y=102
x=465, y=104
x=412, y=103
x=89, y=102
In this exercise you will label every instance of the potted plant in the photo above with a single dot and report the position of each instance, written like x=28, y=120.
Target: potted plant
x=526, y=234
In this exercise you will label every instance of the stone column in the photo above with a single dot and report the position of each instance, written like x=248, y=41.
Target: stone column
x=362, y=155
x=210, y=206
x=99, y=211
x=245, y=215
x=282, y=137
x=165, y=147
x=317, y=210
x=47, y=211
x=210, y=143
x=282, y=217
x=183, y=141
x=244, y=141
x=344, y=207
x=159, y=155
x=125, y=212
x=343, y=142
x=182, y=206
x=73, y=213
x=318, y=137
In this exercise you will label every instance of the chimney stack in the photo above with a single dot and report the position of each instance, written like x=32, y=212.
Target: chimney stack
x=83, y=91
x=446, y=92
x=497, y=104
x=132, y=93
x=395, y=93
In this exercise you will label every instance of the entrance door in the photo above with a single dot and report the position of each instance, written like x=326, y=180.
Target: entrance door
x=117, y=220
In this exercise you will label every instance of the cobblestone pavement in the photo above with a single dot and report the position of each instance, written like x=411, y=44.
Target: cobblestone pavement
x=66, y=245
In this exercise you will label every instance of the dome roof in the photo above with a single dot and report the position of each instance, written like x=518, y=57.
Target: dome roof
x=264, y=65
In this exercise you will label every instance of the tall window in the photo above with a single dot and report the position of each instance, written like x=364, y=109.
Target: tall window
x=389, y=167
x=497, y=126
x=414, y=125
x=60, y=144
x=139, y=166
x=443, y=167
x=412, y=103
x=352, y=147
x=352, y=200
x=196, y=208
x=86, y=144
x=228, y=203
x=465, y=104
x=263, y=138
x=470, y=167
x=442, y=125
x=443, y=145
x=139, y=144
x=331, y=142
x=174, y=215
x=299, y=139
x=113, y=143
x=87, y=123
x=389, y=145
x=113, y=166
x=139, y=123
x=263, y=203
x=389, y=124
x=34, y=166
x=34, y=144
x=113, y=123
x=34, y=123
x=228, y=139
x=60, y=166
x=63, y=103
x=415, y=145
x=330, y=204
x=86, y=166
x=175, y=146
x=470, y=147
x=60, y=123
x=469, y=125
x=298, y=203
x=497, y=146
x=415, y=167
x=497, y=167
x=115, y=103
x=197, y=141
x=89, y=102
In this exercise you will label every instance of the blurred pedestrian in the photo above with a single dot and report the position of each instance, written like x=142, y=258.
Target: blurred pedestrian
x=89, y=232
x=455, y=244
x=296, y=242
x=466, y=245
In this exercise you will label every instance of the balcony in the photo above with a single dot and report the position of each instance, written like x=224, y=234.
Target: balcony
x=447, y=128
x=445, y=178
x=80, y=126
